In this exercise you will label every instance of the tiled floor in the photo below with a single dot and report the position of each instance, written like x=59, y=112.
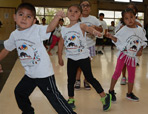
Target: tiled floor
x=87, y=102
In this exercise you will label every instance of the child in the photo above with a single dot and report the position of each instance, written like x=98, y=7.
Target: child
x=56, y=36
x=92, y=21
x=117, y=28
x=73, y=37
x=28, y=40
x=130, y=41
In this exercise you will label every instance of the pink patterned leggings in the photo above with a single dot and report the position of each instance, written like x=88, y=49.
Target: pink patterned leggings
x=130, y=68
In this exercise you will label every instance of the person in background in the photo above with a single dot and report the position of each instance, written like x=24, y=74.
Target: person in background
x=111, y=30
x=92, y=21
x=46, y=41
x=28, y=40
x=101, y=40
x=56, y=36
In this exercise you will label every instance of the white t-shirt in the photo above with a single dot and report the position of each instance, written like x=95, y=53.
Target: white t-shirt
x=89, y=21
x=130, y=40
x=111, y=30
x=57, y=31
x=75, y=42
x=31, y=51
x=104, y=26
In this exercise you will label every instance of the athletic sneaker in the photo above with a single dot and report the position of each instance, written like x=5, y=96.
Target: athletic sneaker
x=86, y=85
x=113, y=95
x=132, y=97
x=77, y=84
x=100, y=52
x=106, y=101
x=71, y=103
x=123, y=81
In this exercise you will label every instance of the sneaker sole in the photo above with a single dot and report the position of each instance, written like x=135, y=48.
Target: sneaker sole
x=132, y=99
x=110, y=103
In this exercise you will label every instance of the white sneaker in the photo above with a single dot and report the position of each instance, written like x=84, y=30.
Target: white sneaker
x=123, y=81
x=77, y=85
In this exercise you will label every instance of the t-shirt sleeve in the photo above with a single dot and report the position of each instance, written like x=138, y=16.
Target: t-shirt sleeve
x=10, y=43
x=42, y=32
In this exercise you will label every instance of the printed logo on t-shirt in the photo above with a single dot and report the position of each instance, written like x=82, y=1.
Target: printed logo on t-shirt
x=73, y=42
x=133, y=45
x=28, y=55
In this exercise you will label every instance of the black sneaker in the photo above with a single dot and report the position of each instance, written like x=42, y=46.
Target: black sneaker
x=100, y=52
x=86, y=85
x=113, y=95
x=71, y=103
x=106, y=101
x=132, y=97
x=77, y=85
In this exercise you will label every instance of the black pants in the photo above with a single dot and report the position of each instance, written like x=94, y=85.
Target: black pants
x=49, y=89
x=85, y=66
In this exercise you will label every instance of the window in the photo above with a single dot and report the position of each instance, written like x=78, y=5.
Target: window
x=48, y=14
x=111, y=16
x=128, y=0
x=122, y=0
x=116, y=16
x=137, y=0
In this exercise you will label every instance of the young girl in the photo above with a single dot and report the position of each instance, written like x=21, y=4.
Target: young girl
x=118, y=27
x=73, y=37
x=130, y=41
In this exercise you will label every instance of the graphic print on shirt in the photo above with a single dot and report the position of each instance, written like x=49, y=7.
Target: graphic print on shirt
x=133, y=45
x=73, y=42
x=28, y=55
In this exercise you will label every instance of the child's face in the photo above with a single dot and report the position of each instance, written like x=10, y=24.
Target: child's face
x=24, y=18
x=73, y=13
x=85, y=8
x=129, y=19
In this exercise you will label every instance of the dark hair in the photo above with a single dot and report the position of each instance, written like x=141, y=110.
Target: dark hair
x=79, y=7
x=61, y=20
x=76, y=5
x=126, y=11
x=101, y=14
x=43, y=18
x=134, y=6
x=85, y=1
x=27, y=6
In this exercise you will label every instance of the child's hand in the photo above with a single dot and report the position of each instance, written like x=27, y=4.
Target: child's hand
x=97, y=33
x=61, y=14
x=61, y=62
x=139, y=53
x=108, y=35
x=1, y=68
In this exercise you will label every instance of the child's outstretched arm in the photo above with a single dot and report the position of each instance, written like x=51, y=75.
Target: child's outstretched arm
x=3, y=54
x=1, y=70
x=91, y=30
x=59, y=15
x=108, y=35
x=60, y=50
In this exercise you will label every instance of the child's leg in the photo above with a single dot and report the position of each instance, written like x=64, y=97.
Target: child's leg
x=49, y=88
x=22, y=93
x=54, y=41
x=119, y=66
x=86, y=68
x=72, y=68
x=131, y=77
